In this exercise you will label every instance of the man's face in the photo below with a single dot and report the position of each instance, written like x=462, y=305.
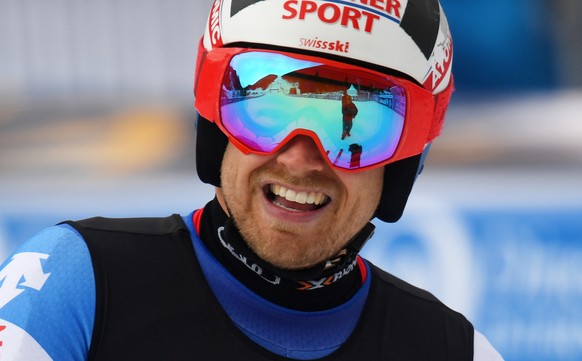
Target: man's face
x=291, y=207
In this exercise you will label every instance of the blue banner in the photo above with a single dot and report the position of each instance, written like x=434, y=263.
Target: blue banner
x=515, y=272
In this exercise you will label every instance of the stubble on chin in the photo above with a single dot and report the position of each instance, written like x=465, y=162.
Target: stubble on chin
x=283, y=244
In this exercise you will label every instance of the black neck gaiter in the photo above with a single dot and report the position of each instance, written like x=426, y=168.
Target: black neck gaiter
x=321, y=287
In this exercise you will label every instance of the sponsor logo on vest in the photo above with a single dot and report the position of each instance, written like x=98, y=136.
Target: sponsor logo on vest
x=326, y=281
x=24, y=270
x=214, y=24
x=273, y=279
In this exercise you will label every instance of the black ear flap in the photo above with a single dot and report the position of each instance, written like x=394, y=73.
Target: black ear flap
x=210, y=147
x=399, y=178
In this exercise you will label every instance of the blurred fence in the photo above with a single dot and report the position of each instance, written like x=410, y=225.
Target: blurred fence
x=130, y=47
x=105, y=48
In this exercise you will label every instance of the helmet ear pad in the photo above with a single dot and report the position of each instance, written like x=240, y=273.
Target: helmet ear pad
x=399, y=176
x=210, y=147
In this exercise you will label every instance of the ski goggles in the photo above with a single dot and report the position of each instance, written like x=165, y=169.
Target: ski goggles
x=357, y=117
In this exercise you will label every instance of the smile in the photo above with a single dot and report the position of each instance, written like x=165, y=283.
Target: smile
x=296, y=200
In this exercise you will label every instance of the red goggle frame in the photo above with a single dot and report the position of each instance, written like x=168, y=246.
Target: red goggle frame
x=422, y=118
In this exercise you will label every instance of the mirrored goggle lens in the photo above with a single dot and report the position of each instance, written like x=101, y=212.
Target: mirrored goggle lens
x=357, y=116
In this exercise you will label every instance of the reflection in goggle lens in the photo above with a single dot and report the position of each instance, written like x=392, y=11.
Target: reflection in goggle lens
x=357, y=116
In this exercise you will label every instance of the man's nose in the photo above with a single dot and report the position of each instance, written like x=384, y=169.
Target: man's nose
x=301, y=154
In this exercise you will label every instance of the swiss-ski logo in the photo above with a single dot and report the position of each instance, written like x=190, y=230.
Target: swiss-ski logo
x=333, y=45
x=23, y=272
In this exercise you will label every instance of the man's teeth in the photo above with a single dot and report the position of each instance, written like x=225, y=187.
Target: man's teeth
x=298, y=197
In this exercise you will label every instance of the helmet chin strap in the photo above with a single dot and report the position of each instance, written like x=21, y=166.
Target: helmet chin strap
x=341, y=261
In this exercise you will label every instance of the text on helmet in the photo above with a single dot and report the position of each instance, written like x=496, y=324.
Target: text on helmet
x=358, y=16
x=214, y=24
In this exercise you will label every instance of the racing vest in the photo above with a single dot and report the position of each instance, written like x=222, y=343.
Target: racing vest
x=153, y=303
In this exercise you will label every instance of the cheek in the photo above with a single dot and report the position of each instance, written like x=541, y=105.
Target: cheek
x=233, y=166
x=364, y=189
x=229, y=175
x=236, y=161
x=228, y=171
x=236, y=173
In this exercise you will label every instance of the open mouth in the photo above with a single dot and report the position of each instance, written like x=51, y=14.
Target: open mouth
x=296, y=200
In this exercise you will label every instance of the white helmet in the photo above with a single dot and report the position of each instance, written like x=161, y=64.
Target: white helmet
x=409, y=39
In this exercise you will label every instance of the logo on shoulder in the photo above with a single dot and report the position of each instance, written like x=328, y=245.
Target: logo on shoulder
x=23, y=273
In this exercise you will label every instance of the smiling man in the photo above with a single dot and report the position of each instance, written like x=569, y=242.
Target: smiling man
x=270, y=268
x=291, y=208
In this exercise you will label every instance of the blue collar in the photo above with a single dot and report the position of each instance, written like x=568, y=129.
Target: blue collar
x=290, y=333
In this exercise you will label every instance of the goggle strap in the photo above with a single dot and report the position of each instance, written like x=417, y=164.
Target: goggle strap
x=440, y=108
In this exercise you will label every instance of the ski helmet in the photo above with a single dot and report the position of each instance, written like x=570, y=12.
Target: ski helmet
x=407, y=39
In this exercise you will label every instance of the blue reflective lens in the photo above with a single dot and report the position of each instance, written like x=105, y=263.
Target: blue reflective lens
x=357, y=116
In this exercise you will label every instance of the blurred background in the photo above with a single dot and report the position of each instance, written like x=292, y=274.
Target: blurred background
x=96, y=118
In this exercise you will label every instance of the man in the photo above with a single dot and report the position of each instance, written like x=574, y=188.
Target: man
x=269, y=269
x=349, y=111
